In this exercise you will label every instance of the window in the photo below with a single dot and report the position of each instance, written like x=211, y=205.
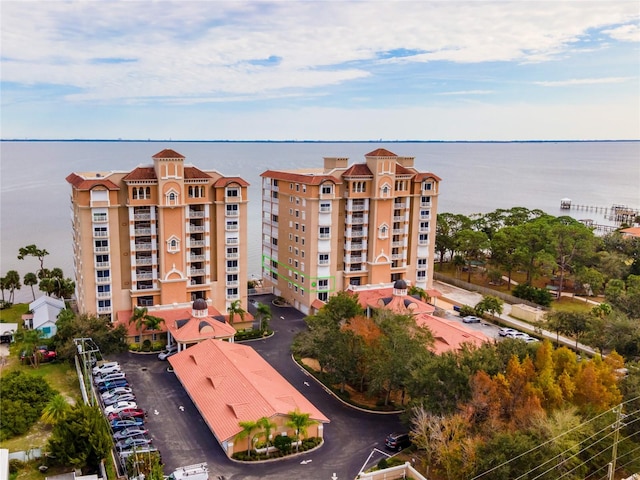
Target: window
x=323, y=259
x=422, y=263
x=100, y=232
x=104, y=303
x=173, y=244
x=325, y=207
x=104, y=288
x=427, y=185
x=422, y=274
x=232, y=210
x=296, y=251
x=424, y=214
x=323, y=296
x=232, y=293
x=232, y=225
x=323, y=284
x=324, y=233
x=102, y=260
x=327, y=189
x=297, y=226
x=423, y=239
x=297, y=187
x=296, y=238
x=100, y=217
x=425, y=201
x=383, y=231
x=101, y=245
x=274, y=218
x=424, y=226
x=359, y=187
x=232, y=192
x=295, y=263
x=297, y=213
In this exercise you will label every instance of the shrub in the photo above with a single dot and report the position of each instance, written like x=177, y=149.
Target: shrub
x=15, y=465
x=146, y=345
x=282, y=443
x=157, y=346
x=466, y=310
x=541, y=296
x=382, y=464
x=134, y=347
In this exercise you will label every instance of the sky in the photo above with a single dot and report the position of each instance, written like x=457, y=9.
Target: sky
x=320, y=70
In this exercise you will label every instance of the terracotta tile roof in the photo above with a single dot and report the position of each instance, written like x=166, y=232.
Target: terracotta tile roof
x=425, y=175
x=168, y=153
x=141, y=173
x=631, y=231
x=400, y=170
x=307, y=178
x=191, y=173
x=449, y=335
x=82, y=183
x=224, y=181
x=381, y=152
x=358, y=170
x=231, y=383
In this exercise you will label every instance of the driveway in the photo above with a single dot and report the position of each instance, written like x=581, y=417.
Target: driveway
x=183, y=438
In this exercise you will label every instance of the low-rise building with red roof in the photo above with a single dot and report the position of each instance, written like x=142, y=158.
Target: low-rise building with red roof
x=231, y=383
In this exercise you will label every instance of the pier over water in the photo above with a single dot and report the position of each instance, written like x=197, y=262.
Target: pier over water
x=615, y=213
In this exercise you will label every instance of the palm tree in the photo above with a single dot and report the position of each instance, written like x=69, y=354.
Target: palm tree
x=12, y=283
x=30, y=279
x=299, y=422
x=28, y=340
x=55, y=410
x=142, y=319
x=3, y=287
x=264, y=314
x=235, y=309
x=267, y=425
x=247, y=432
x=418, y=292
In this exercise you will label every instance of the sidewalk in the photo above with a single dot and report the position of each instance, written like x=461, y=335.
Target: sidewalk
x=452, y=295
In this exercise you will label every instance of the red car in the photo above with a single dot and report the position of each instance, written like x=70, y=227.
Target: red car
x=127, y=413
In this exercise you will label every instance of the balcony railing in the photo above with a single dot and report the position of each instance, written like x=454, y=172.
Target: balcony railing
x=397, y=244
x=231, y=227
x=101, y=249
x=423, y=242
x=144, y=275
x=353, y=259
x=233, y=283
x=397, y=256
x=398, y=231
x=399, y=218
x=103, y=295
x=356, y=234
x=232, y=296
x=196, y=258
x=144, y=261
x=142, y=231
x=196, y=243
x=103, y=264
x=425, y=204
x=232, y=255
x=196, y=214
x=100, y=219
x=232, y=270
x=323, y=261
x=144, y=286
x=355, y=221
x=325, y=209
x=103, y=280
x=194, y=272
x=104, y=310
x=142, y=216
x=143, y=246
x=425, y=216
x=233, y=213
x=356, y=208
x=398, y=204
x=324, y=236
x=423, y=230
x=100, y=234
x=195, y=229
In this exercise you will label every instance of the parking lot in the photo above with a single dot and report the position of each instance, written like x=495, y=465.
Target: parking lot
x=179, y=432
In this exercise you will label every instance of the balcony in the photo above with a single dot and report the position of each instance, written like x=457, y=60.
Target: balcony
x=101, y=249
x=232, y=255
x=142, y=216
x=232, y=296
x=397, y=244
x=143, y=261
x=356, y=208
x=100, y=234
x=144, y=275
x=103, y=264
x=425, y=204
x=425, y=216
x=104, y=310
x=103, y=280
x=103, y=295
x=355, y=221
x=232, y=269
x=324, y=236
x=195, y=229
x=397, y=256
x=398, y=231
x=100, y=219
x=196, y=272
x=195, y=243
x=142, y=231
x=144, y=286
x=231, y=227
x=143, y=247
x=423, y=230
x=399, y=218
x=356, y=234
x=196, y=213
x=233, y=213
x=234, y=283
x=325, y=209
x=423, y=242
x=353, y=259
x=399, y=204
x=196, y=258
x=323, y=262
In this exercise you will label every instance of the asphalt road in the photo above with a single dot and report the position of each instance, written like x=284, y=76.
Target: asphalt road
x=183, y=438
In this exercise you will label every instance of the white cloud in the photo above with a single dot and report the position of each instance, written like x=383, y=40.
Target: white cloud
x=584, y=81
x=469, y=92
x=194, y=50
x=625, y=33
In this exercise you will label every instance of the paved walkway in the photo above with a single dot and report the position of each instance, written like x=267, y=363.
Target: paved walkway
x=454, y=295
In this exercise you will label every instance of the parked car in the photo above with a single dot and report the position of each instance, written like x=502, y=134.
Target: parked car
x=531, y=340
x=103, y=387
x=471, y=319
x=109, y=377
x=132, y=442
x=108, y=367
x=130, y=432
x=127, y=413
x=518, y=336
x=125, y=397
x=504, y=331
x=120, y=406
x=45, y=355
x=397, y=441
x=166, y=353
x=116, y=391
x=120, y=423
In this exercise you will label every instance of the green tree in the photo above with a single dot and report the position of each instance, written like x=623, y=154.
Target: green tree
x=81, y=439
x=33, y=251
x=263, y=312
x=299, y=422
x=504, y=250
x=342, y=307
x=590, y=279
x=267, y=426
x=571, y=242
x=532, y=250
x=28, y=342
x=30, y=279
x=472, y=244
x=248, y=427
x=236, y=309
x=142, y=319
x=108, y=338
x=12, y=283
x=447, y=228
x=55, y=410
x=489, y=304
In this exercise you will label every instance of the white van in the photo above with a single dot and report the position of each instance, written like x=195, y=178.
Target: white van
x=107, y=367
x=199, y=471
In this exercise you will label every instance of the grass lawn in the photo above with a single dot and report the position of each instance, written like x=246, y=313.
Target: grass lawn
x=14, y=314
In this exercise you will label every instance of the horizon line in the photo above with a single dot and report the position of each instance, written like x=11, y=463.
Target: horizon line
x=149, y=140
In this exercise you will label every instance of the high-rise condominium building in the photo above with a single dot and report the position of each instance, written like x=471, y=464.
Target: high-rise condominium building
x=160, y=235
x=368, y=223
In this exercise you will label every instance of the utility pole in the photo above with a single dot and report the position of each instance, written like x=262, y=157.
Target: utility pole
x=616, y=436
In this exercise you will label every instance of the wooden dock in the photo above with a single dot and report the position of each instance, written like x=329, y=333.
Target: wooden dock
x=615, y=213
